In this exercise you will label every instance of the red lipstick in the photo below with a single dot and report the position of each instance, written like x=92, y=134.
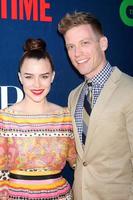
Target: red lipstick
x=37, y=92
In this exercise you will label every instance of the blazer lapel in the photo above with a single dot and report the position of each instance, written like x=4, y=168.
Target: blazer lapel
x=73, y=108
x=100, y=105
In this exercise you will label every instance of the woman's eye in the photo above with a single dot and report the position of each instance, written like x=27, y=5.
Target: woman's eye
x=44, y=77
x=28, y=77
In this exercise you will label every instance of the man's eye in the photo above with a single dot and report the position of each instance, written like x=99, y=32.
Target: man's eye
x=84, y=43
x=69, y=47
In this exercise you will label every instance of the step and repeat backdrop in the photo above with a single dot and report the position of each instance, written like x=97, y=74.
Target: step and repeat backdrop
x=23, y=19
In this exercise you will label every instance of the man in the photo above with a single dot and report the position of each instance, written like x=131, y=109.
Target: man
x=104, y=131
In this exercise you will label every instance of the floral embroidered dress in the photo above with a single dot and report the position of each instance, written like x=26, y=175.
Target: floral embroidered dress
x=33, y=152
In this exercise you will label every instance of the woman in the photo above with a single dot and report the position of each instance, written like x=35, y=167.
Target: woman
x=36, y=137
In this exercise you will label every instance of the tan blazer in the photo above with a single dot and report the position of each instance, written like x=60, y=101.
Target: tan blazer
x=104, y=168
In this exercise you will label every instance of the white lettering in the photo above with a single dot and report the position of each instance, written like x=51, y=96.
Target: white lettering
x=5, y=95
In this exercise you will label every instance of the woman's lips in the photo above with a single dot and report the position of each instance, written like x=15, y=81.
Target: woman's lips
x=37, y=92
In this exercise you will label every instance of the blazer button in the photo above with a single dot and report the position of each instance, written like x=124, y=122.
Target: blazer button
x=85, y=163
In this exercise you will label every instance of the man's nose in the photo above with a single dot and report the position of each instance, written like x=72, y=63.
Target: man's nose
x=78, y=51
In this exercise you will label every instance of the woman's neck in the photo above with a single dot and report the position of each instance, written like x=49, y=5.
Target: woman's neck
x=28, y=107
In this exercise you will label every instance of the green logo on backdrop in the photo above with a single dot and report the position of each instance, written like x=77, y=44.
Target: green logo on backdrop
x=126, y=12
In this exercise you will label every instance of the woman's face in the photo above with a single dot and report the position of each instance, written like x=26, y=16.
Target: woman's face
x=36, y=77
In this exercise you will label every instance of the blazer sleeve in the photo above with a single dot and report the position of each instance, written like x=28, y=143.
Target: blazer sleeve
x=129, y=127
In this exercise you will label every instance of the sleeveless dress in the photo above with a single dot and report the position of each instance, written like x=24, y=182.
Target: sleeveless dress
x=33, y=152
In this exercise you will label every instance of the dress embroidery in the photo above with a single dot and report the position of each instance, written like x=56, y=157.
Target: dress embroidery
x=35, y=145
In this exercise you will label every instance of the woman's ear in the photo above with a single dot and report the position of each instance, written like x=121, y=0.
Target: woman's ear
x=104, y=43
x=19, y=76
x=53, y=75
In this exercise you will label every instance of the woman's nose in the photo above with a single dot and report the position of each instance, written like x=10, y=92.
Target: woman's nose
x=37, y=82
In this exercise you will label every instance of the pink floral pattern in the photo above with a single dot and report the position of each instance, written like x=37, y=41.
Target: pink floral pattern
x=28, y=142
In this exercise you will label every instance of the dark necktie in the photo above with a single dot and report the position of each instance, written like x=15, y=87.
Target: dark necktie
x=87, y=107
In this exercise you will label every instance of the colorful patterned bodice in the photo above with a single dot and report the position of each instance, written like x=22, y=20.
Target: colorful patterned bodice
x=41, y=141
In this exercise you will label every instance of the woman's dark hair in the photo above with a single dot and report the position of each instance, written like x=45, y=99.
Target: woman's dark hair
x=35, y=48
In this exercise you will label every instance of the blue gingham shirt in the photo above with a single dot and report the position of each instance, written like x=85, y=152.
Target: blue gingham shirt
x=98, y=83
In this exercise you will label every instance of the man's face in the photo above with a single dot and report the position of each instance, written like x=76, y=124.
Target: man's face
x=86, y=49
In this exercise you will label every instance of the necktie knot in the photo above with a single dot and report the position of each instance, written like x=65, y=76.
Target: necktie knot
x=89, y=84
x=89, y=92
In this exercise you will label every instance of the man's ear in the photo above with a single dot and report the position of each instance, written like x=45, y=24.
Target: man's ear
x=20, y=78
x=104, y=43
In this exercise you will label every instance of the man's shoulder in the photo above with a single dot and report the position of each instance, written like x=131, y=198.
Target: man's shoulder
x=77, y=87
x=118, y=73
x=75, y=92
x=127, y=77
x=125, y=80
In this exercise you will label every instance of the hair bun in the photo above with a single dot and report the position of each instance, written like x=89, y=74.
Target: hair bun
x=34, y=44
